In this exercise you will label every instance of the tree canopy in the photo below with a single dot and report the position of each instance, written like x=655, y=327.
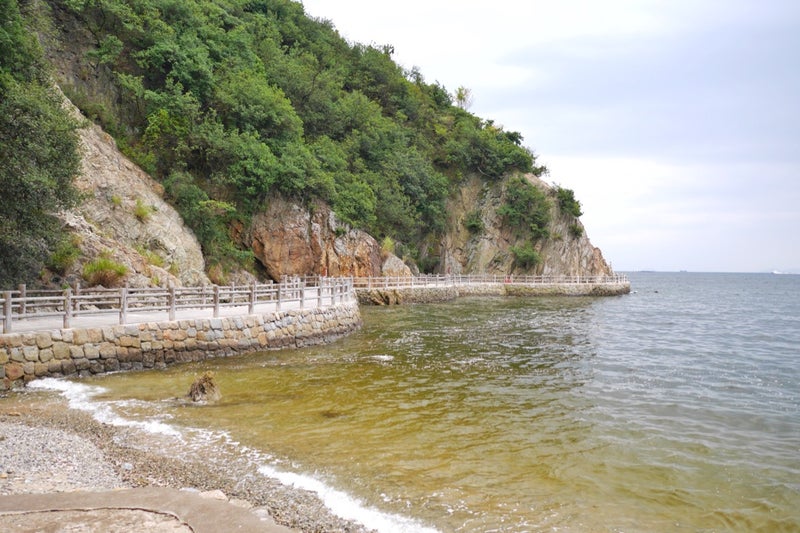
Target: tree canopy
x=228, y=103
x=38, y=153
x=246, y=98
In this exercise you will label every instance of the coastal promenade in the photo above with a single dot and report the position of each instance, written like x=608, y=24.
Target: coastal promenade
x=92, y=331
x=96, y=331
x=442, y=288
x=28, y=311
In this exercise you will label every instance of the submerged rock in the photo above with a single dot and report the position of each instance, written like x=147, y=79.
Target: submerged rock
x=205, y=389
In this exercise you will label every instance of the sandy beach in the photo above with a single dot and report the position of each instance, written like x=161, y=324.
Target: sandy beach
x=48, y=447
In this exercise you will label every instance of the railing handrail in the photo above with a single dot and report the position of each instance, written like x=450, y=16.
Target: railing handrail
x=22, y=304
x=397, y=282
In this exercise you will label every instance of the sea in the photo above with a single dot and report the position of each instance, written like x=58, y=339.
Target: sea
x=673, y=408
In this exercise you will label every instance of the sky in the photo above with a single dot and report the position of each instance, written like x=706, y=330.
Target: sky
x=676, y=122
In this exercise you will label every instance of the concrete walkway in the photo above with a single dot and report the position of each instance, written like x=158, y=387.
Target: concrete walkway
x=32, y=323
x=142, y=509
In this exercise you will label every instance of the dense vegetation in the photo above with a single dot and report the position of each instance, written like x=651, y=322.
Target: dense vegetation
x=38, y=153
x=231, y=101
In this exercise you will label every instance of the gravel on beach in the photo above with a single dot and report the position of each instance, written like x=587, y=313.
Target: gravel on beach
x=45, y=446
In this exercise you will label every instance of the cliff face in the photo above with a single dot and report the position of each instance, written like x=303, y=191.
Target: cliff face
x=124, y=217
x=489, y=249
x=288, y=239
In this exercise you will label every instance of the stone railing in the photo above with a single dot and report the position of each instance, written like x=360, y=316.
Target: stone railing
x=440, y=288
x=439, y=280
x=25, y=310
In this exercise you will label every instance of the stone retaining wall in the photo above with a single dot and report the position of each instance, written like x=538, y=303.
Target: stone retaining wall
x=417, y=295
x=378, y=296
x=85, y=351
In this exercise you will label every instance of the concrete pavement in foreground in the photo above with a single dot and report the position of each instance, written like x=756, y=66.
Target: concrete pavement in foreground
x=151, y=509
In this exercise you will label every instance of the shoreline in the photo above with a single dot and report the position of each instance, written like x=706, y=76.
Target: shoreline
x=74, y=451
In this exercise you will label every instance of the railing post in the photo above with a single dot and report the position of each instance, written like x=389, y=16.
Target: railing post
x=67, y=308
x=77, y=293
x=278, y=304
x=23, y=294
x=252, y=307
x=171, y=299
x=216, y=301
x=302, y=295
x=7, y=312
x=123, y=305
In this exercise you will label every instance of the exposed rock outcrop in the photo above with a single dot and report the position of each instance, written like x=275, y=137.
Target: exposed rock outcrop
x=288, y=239
x=489, y=250
x=124, y=217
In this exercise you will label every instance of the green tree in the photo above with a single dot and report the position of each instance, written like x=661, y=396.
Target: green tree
x=38, y=154
x=464, y=98
x=244, y=99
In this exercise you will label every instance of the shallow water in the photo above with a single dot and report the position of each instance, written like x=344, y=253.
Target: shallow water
x=675, y=408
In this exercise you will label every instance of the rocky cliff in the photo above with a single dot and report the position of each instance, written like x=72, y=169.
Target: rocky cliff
x=566, y=251
x=123, y=217
x=288, y=239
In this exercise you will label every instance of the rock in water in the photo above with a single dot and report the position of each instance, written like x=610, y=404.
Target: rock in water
x=205, y=389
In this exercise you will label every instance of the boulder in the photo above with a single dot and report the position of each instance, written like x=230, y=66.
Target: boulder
x=205, y=389
x=288, y=240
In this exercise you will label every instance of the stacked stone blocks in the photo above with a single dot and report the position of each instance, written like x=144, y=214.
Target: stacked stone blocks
x=86, y=351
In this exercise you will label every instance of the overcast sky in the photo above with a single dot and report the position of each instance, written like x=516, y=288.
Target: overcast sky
x=676, y=122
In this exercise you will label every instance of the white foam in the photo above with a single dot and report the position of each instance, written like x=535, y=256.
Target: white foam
x=79, y=396
x=346, y=506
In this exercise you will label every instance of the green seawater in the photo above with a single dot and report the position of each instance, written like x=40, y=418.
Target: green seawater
x=675, y=408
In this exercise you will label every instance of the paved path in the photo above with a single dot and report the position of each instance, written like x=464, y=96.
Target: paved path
x=151, y=509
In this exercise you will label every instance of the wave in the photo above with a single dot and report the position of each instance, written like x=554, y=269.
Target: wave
x=80, y=396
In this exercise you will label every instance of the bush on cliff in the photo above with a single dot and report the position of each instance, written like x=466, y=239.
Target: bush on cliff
x=526, y=208
x=104, y=271
x=525, y=256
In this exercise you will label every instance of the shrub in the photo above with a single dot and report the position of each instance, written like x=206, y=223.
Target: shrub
x=141, y=211
x=527, y=208
x=576, y=230
x=150, y=256
x=387, y=247
x=474, y=222
x=104, y=271
x=567, y=202
x=65, y=255
x=526, y=256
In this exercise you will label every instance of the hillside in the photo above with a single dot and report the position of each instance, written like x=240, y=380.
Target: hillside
x=288, y=150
